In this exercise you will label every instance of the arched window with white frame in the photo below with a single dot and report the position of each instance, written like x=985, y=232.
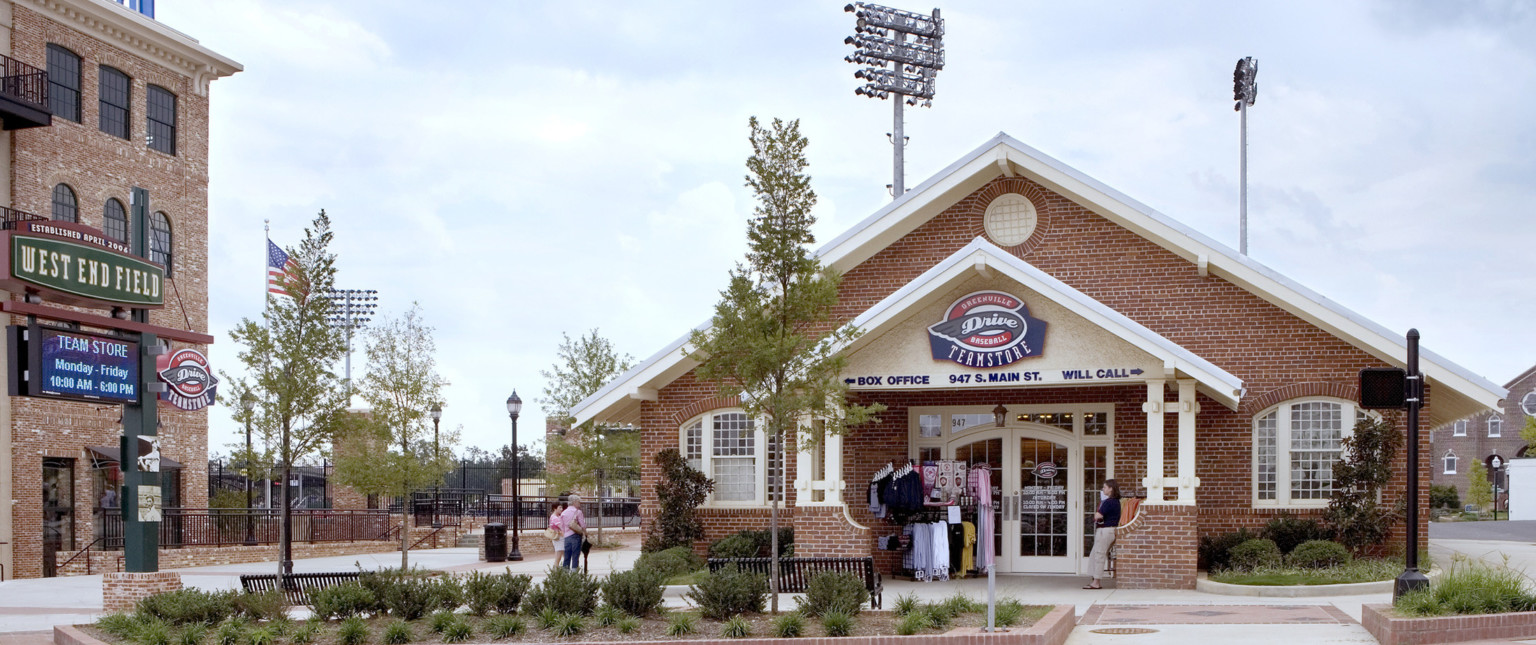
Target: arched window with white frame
x=1449, y=464
x=1295, y=445
x=728, y=447
x=1495, y=426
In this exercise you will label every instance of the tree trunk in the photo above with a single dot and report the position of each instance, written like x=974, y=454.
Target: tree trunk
x=405, y=538
x=773, y=528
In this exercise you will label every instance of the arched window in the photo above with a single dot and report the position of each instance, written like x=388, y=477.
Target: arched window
x=1295, y=445
x=115, y=221
x=1495, y=426
x=115, y=92
x=160, y=240
x=160, y=112
x=65, y=208
x=63, y=83
x=1450, y=463
x=727, y=446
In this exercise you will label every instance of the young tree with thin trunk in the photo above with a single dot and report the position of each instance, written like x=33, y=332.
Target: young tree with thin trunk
x=587, y=457
x=772, y=341
x=394, y=449
x=288, y=357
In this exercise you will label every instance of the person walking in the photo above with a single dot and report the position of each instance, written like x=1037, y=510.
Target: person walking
x=574, y=524
x=556, y=530
x=1104, y=522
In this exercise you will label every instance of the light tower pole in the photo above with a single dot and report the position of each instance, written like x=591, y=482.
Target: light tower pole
x=351, y=309
x=1245, y=90
x=881, y=38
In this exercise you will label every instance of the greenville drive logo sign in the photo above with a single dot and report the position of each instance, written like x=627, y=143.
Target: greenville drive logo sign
x=189, y=383
x=987, y=329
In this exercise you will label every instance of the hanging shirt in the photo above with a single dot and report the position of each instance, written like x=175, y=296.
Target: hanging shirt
x=938, y=563
x=968, y=549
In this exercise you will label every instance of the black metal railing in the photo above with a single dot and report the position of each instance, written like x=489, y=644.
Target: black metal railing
x=186, y=527
x=24, y=83
x=534, y=511
x=9, y=218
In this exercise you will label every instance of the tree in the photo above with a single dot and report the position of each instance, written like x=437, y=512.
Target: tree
x=1528, y=431
x=1479, y=489
x=288, y=356
x=679, y=492
x=584, y=458
x=392, y=450
x=1355, y=512
x=771, y=341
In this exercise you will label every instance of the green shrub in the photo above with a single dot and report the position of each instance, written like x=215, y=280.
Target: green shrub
x=1255, y=554
x=680, y=491
x=230, y=632
x=402, y=594
x=505, y=626
x=912, y=623
x=153, y=632
x=444, y=592
x=938, y=615
x=570, y=625
x=682, y=624
x=906, y=604
x=501, y=593
x=1444, y=496
x=636, y=592
x=398, y=632
x=762, y=540
x=734, y=546
x=962, y=604
x=548, y=617
x=736, y=627
x=353, y=631
x=567, y=591
x=833, y=591
x=441, y=620
x=281, y=626
x=342, y=601
x=790, y=625
x=187, y=606
x=118, y=625
x=1318, y=554
x=627, y=625
x=1288, y=531
x=837, y=623
x=1216, y=551
x=457, y=631
x=1009, y=612
x=1469, y=589
x=191, y=634
x=261, y=636
x=728, y=592
x=675, y=561
x=267, y=605
x=305, y=633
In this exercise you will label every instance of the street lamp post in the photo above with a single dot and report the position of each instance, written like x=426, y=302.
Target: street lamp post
x=437, y=454
x=248, y=404
x=515, y=406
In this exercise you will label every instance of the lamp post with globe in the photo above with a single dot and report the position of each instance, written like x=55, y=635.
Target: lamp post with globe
x=515, y=407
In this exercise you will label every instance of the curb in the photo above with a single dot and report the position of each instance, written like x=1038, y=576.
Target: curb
x=1205, y=585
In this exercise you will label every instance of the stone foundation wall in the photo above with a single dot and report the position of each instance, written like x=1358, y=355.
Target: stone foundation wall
x=1159, y=549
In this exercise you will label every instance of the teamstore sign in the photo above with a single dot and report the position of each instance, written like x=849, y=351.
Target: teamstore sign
x=83, y=366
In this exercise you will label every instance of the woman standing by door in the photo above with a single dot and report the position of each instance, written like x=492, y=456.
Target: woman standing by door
x=1104, y=523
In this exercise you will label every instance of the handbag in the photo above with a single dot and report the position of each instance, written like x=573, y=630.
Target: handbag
x=552, y=533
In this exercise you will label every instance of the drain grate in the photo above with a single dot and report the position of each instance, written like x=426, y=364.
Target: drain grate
x=1124, y=630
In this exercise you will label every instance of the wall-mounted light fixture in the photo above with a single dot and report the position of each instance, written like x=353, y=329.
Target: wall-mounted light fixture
x=1000, y=415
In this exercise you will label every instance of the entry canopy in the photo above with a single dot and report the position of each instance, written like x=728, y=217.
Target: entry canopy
x=1457, y=392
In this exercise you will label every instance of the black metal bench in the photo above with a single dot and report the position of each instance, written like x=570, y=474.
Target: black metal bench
x=796, y=573
x=296, y=586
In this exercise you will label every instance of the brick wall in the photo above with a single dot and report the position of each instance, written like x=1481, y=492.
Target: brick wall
x=1477, y=445
x=121, y=591
x=1158, y=550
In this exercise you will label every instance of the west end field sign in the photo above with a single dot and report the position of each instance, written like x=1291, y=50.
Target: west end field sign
x=79, y=274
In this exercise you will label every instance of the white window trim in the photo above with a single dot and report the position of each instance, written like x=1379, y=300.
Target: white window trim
x=1348, y=412
x=760, y=456
x=1495, y=426
x=1459, y=429
x=1449, y=463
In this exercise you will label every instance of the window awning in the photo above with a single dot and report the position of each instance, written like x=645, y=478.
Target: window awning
x=102, y=456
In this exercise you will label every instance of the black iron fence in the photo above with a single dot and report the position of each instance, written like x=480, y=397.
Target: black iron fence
x=186, y=527
x=532, y=512
x=24, y=83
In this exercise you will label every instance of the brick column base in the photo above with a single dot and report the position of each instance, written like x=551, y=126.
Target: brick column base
x=826, y=532
x=121, y=591
x=1159, y=549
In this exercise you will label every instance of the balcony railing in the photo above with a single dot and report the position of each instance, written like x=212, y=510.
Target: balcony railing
x=187, y=527
x=10, y=218
x=23, y=95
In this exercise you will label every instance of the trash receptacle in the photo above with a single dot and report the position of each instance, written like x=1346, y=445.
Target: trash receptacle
x=495, y=542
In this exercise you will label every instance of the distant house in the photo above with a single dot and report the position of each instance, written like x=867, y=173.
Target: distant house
x=1454, y=446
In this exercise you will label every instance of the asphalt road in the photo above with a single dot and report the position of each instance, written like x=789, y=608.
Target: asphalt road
x=1501, y=531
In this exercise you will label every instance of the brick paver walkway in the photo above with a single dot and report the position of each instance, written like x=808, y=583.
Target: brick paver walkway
x=1214, y=615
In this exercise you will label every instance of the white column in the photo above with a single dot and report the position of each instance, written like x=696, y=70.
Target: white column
x=1153, y=482
x=1188, y=408
x=832, y=452
x=805, y=466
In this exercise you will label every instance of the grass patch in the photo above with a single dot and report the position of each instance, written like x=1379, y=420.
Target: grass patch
x=693, y=578
x=1359, y=570
x=1469, y=588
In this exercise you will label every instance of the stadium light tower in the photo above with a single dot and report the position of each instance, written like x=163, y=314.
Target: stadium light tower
x=351, y=309
x=1245, y=90
x=880, y=36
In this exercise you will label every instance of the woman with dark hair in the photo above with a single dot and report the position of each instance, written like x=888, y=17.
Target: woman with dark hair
x=556, y=530
x=1104, y=522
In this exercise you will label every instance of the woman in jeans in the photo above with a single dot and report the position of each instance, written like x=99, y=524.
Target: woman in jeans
x=1104, y=522
x=575, y=525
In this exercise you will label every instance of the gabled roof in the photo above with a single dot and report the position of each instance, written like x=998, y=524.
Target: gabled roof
x=1457, y=393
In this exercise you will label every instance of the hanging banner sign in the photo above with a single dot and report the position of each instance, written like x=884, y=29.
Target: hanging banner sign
x=987, y=329
x=190, y=385
x=78, y=273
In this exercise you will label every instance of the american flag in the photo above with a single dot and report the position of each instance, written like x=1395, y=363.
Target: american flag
x=277, y=270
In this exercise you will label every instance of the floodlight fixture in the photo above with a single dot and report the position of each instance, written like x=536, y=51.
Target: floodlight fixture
x=1245, y=90
x=896, y=65
x=351, y=309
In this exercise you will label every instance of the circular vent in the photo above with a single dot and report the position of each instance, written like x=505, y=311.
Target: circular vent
x=1529, y=404
x=1010, y=219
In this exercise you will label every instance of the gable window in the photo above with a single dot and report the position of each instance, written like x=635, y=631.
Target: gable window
x=114, y=221
x=114, y=93
x=63, y=83
x=728, y=447
x=1295, y=445
x=160, y=110
x=1449, y=463
x=1495, y=426
x=160, y=240
x=1460, y=429
x=65, y=208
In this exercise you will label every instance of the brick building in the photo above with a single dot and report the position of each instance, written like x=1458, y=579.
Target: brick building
x=1455, y=445
x=1021, y=315
x=106, y=141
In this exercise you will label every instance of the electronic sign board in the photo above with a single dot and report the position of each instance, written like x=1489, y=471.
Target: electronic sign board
x=78, y=366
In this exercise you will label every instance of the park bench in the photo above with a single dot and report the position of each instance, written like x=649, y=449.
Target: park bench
x=297, y=586
x=796, y=573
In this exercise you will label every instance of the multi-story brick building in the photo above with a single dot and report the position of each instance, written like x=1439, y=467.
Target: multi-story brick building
x=1455, y=445
x=1022, y=316
x=106, y=141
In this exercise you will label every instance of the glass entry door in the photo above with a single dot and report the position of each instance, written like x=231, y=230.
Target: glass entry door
x=1045, y=494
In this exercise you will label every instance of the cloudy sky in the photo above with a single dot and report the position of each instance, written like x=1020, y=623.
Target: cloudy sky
x=527, y=169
